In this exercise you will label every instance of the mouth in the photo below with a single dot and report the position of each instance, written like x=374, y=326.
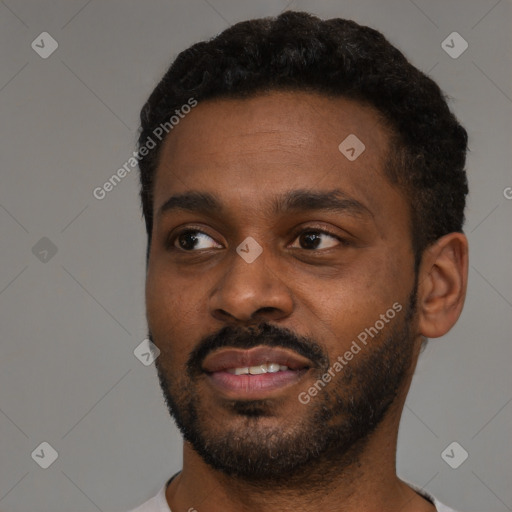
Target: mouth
x=256, y=373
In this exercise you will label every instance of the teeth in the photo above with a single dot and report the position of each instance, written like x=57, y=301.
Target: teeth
x=258, y=369
x=273, y=367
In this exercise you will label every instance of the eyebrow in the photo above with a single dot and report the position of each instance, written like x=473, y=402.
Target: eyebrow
x=293, y=201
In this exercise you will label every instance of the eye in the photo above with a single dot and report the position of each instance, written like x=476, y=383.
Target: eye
x=191, y=239
x=311, y=239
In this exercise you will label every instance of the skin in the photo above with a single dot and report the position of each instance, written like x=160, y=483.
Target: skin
x=246, y=152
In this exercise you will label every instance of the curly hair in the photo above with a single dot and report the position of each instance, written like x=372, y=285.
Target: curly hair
x=335, y=57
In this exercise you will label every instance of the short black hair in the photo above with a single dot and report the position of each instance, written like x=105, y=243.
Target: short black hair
x=297, y=51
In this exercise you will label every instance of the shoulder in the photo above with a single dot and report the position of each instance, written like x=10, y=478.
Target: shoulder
x=157, y=503
x=440, y=507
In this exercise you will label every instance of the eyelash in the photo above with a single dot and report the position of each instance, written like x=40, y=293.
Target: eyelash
x=170, y=242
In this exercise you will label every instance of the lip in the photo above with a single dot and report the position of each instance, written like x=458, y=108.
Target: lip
x=254, y=386
x=224, y=359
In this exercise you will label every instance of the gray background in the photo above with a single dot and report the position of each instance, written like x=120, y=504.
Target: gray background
x=70, y=323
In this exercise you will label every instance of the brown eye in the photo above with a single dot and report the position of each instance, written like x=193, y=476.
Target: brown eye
x=312, y=239
x=193, y=239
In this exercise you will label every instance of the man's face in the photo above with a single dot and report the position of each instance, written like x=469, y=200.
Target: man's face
x=330, y=269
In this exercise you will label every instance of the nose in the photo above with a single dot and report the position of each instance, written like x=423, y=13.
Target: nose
x=251, y=292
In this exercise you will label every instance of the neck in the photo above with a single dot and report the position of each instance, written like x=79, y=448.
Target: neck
x=362, y=480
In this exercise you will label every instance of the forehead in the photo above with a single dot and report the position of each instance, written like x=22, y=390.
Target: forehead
x=246, y=151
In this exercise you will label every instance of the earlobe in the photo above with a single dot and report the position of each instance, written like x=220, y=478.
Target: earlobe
x=442, y=284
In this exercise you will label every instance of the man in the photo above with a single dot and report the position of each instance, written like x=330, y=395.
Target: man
x=303, y=188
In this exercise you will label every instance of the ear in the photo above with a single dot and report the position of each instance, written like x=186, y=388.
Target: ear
x=443, y=277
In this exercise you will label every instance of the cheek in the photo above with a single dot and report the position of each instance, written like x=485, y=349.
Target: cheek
x=171, y=312
x=343, y=307
x=159, y=300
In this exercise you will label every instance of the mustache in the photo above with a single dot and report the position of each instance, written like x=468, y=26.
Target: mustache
x=265, y=334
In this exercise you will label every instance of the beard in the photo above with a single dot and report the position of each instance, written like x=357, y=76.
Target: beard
x=330, y=432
